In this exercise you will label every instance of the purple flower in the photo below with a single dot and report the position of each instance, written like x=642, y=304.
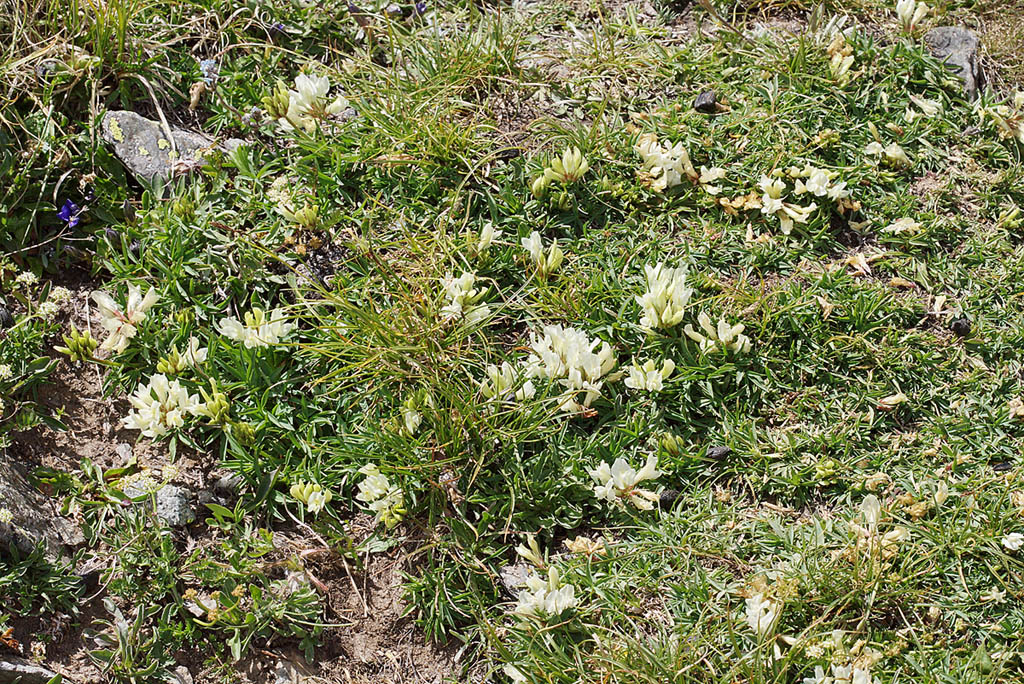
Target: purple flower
x=421, y=8
x=69, y=213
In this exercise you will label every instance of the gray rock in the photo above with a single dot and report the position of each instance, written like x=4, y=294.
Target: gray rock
x=173, y=507
x=958, y=48
x=171, y=503
x=181, y=675
x=146, y=149
x=513, y=577
x=34, y=516
x=15, y=669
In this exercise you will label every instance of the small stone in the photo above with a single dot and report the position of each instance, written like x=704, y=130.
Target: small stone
x=15, y=669
x=124, y=453
x=173, y=507
x=706, y=102
x=513, y=577
x=1002, y=467
x=181, y=675
x=668, y=498
x=719, y=452
x=6, y=319
x=35, y=519
x=961, y=327
x=228, y=485
x=958, y=48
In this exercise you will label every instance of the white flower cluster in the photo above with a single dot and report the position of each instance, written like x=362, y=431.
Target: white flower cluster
x=773, y=204
x=385, y=500
x=545, y=599
x=546, y=264
x=313, y=495
x=666, y=298
x=5, y=371
x=761, y=614
x=929, y=109
x=666, y=166
x=464, y=299
x=503, y=383
x=160, y=406
x=1013, y=541
x=893, y=153
x=648, y=376
x=567, y=355
x=259, y=329
x=618, y=483
x=910, y=13
x=724, y=336
x=309, y=101
x=1008, y=118
x=841, y=674
x=176, y=362
x=121, y=325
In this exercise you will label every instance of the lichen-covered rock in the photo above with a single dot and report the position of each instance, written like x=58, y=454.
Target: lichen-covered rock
x=145, y=147
x=170, y=503
x=958, y=47
x=34, y=517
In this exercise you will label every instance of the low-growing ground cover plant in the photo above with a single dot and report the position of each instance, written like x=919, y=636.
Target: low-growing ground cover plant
x=638, y=390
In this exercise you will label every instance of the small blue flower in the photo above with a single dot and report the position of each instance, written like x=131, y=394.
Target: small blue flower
x=277, y=27
x=69, y=213
x=210, y=69
x=421, y=8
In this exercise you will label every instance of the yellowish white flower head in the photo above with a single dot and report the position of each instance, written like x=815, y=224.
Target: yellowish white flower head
x=667, y=166
x=385, y=500
x=618, y=482
x=568, y=356
x=313, y=495
x=5, y=371
x=722, y=336
x=503, y=383
x=464, y=299
x=571, y=167
x=648, y=376
x=1013, y=541
x=259, y=329
x=121, y=324
x=665, y=301
x=160, y=406
x=546, y=264
x=761, y=614
x=772, y=203
x=1008, y=117
x=309, y=102
x=910, y=13
x=896, y=155
x=543, y=599
x=6, y=517
x=487, y=237
x=176, y=362
x=708, y=177
x=26, y=279
x=875, y=148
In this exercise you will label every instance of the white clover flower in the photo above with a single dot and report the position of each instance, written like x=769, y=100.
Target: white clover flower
x=648, y=376
x=259, y=329
x=487, y=236
x=761, y=614
x=896, y=156
x=464, y=299
x=724, y=336
x=5, y=371
x=772, y=187
x=794, y=212
x=308, y=102
x=709, y=176
x=910, y=13
x=26, y=278
x=618, y=483
x=667, y=166
x=568, y=356
x=317, y=501
x=546, y=264
x=666, y=298
x=312, y=495
x=386, y=501
x=928, y=107
x=875, y=148
x=59, y=295
x=544, y=599
x=501, y=384
x=1013, y=541
x=160, y=406
x=121, y=325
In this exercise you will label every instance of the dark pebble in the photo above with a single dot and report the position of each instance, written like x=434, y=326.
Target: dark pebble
x=668, y=498
x=6, y=319
x=1002, y=467
x=961, y=327
x=706, y=102
x=719, y=452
